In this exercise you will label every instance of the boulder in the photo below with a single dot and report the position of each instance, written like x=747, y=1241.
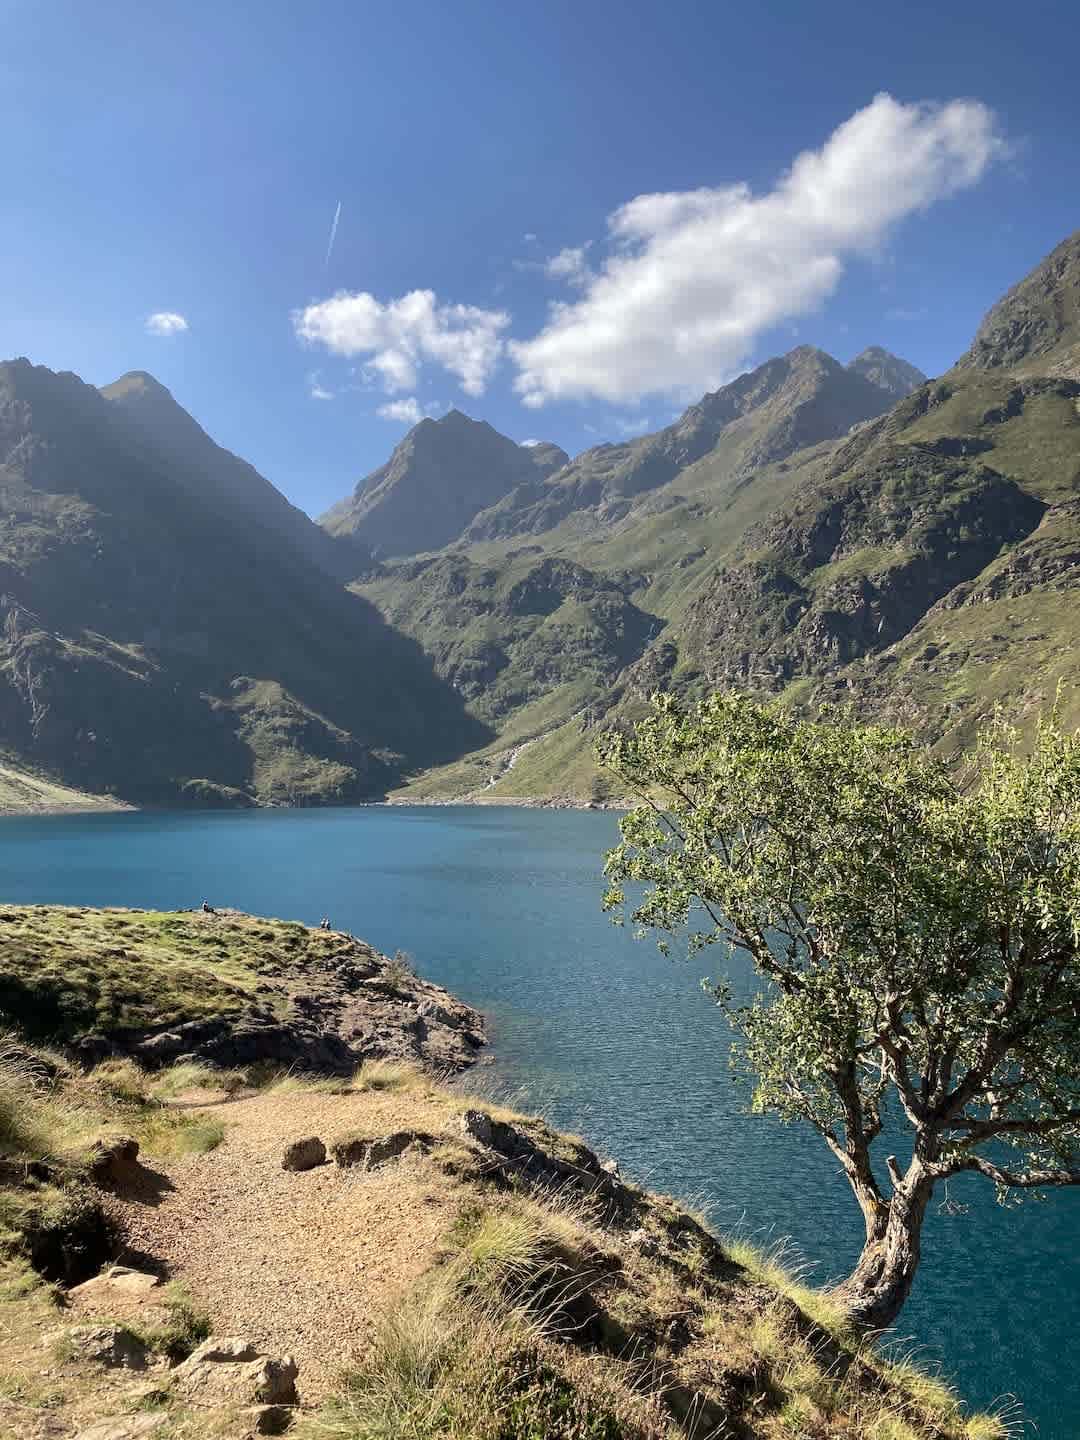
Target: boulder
x=232, y=1371
x=113, y=1346
x=434, y=1013
x=304, y=1154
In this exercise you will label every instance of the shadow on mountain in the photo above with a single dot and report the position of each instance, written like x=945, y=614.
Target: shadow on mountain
x=173, y=631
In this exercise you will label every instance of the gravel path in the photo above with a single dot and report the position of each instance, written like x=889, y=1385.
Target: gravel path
x=300, y=1263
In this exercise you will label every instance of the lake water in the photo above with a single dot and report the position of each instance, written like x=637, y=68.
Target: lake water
x=503, y=907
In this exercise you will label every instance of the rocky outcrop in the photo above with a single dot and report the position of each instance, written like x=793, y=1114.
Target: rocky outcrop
x=572, y=1164
x=122, y=1294
x=1035, y=328
x=112, y=1346
x=887, y=371
x=328, y=1011
x=851, y=569
x=369, y=1154
x=235, y=1372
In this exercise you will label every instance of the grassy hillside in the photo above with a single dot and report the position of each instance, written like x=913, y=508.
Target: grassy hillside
x=24, y=793
x=173, y=632
x=438, y=1266
x=784, y=405
x=922, y=567
x=220, y=986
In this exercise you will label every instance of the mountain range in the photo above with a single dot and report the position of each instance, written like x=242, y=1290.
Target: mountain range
x=175, y=632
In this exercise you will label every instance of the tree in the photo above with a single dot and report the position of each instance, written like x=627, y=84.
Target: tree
x=915, y=927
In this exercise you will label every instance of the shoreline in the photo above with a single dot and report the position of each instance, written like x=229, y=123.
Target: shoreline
x=524, y=802
x=92, y=806
x=103, y=806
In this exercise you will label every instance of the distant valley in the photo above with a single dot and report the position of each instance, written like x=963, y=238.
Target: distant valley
x=176, y=633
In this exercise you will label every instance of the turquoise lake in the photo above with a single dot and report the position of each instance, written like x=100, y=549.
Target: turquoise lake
x=503, y=907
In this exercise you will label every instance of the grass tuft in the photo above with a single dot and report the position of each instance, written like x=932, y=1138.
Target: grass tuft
x=195, y=1075
x=186, y=1327
x=388, y=1075
x=774, y=1269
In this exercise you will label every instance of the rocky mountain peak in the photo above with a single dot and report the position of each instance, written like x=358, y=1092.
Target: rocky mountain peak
x=887, y=371
x=135, y=383
x=1034, y=329
x=442, y=474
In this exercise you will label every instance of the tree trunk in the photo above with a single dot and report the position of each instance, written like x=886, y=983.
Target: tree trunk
x=875, y=1291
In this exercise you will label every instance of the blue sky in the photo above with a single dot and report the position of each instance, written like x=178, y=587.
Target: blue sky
x=188, y=160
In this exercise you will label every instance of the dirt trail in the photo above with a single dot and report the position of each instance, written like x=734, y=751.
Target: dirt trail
x=300, y=1263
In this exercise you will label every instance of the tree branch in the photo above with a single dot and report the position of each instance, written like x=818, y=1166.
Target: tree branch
x=1010, y=1179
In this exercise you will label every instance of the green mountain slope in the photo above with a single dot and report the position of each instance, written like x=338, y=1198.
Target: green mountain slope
x=924, y=566
x=796, y=400
x=436, y=481
x=166, y=635
x=615, y=570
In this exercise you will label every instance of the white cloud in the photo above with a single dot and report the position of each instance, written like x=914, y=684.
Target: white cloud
x=165, y=322
x=397, y=338
x=570, y=265
x=693, y=277
x=407, y=411
x=530, y=444
x=319, y=392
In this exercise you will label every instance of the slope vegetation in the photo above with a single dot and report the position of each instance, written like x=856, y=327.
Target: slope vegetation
x=197, y=1251
x=173, y=631
x=791, y=540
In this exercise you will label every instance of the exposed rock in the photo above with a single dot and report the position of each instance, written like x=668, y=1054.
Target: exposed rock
x=304, y=1154
x=888, y=372
x=233, y=1371
x=1036, y=326
x=122, y=1427
x=366, y=1154
x=329, y=1006
x=270, y=1419
x=114, y=1159
x=113, y=1346
x=117, y=1280
x=851, y=568
x=579, y=1167
x=119, y=1293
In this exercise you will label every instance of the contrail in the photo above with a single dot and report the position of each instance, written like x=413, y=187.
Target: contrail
x=333, y=236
